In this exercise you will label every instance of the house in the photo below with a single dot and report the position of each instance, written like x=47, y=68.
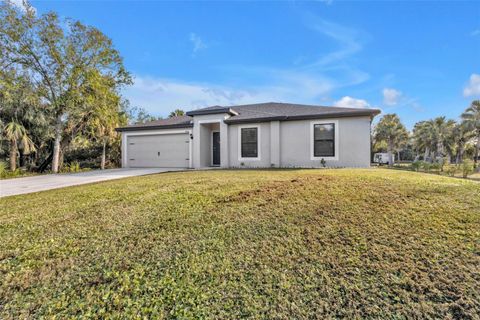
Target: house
x=260, y=135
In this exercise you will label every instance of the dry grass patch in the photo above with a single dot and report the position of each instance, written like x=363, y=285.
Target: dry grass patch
x=231, y=244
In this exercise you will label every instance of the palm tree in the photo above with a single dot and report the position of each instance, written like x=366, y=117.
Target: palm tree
x=457, y=140
x=176, y=113
x=393, y=132
x=17, y=135
x=471, y=117
x=423, y=138
x=441, y=128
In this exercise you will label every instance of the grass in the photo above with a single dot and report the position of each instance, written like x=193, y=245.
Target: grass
x=232, y=244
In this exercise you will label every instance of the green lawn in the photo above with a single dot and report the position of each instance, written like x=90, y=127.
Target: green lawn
x=230, y=244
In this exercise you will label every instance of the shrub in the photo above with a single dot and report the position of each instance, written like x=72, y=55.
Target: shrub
x=451, y=169
x=3, y=168
x=442, y=163
x=72, y=167
x=416, y=165
x=427, y=166
x=467, y=168
x=436, y=166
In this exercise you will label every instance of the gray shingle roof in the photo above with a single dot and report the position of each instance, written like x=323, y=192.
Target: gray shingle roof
x=288, y=111
x=174, y=122
x=257, y=113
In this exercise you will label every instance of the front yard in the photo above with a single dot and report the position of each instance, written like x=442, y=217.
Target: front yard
x=231, y=244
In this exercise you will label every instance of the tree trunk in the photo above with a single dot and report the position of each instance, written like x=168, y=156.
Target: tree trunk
x=425, y=155
x=56, y=144
x=459, y=154
x=390, y=154
x=104, y=147
x=440, y=151
x=13, y=155
x=476, y=152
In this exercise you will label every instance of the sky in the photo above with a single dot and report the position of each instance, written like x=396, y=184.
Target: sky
x=417, y=59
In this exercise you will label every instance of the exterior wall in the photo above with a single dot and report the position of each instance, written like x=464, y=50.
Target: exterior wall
x=263, y=160
x=353, y=143
x=282, y=144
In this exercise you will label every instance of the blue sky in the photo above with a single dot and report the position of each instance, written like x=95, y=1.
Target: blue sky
x=417, y=59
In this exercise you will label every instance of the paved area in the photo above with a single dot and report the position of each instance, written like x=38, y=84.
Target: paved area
x=10, y=187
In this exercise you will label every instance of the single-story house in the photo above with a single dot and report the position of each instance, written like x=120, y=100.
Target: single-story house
x=260, y=135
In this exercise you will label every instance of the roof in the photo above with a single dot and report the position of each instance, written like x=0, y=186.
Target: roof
x=212, y=110
x=287, y=111
x=259, y=112
x=169, y=123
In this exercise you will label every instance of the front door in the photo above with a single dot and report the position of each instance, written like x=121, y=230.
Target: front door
x=216, y=148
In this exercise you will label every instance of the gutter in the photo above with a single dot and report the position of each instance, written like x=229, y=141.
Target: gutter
x=140, y=128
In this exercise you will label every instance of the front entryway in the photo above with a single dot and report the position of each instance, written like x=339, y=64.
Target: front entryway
x=216, y=148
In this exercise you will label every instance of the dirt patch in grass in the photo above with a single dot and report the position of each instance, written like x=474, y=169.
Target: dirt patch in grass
x=254, y=244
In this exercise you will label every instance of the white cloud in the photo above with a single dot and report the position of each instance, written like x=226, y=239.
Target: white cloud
x=475, y=33
x=473, y=86
x=160, y=96
x=22, y=5
x=197, y=42
x=349, y=40
x=391, y=96
x=349, y=102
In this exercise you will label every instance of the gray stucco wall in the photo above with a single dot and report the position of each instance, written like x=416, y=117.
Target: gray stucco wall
x=353, y=143
x=264, y=146
x=292, y=147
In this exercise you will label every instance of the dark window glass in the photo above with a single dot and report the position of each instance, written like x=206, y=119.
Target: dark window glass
x=324, y=140
x=249, y=142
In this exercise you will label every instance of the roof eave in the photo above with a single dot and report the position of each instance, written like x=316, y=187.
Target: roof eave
x=141, y=128
x=369, y=113
x=229, y=111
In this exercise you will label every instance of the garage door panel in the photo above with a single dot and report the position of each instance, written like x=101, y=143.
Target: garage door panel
x=165, y=150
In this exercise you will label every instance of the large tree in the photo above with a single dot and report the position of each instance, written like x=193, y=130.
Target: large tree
x=391, y=131
x=103, y=113
x=471, y=116
x=58, y=55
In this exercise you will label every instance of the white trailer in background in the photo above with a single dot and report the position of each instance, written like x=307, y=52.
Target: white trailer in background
x=382, y=158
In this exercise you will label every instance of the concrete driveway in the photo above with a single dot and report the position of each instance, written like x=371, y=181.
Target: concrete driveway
x=10, y=187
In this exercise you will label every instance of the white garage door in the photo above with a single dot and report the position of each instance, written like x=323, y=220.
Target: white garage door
x=162, y=150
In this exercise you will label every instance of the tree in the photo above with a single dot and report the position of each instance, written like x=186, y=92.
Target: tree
x=471, y=116
x=441, y=129
x=19, y=112
x=176, y=113
x=104, y=113
x=17, y=134
x=456, y=142
x=423, y=138
x=58, y=56
x=390, y=130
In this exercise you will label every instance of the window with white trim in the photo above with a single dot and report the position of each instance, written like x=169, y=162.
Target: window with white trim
x=249, y=142
x=324, y=140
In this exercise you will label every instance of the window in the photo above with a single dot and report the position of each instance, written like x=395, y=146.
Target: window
x=324, y=140
x=249, y=141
